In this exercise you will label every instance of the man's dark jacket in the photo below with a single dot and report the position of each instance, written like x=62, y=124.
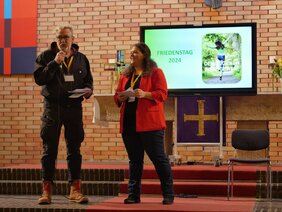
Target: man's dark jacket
x=50, y=75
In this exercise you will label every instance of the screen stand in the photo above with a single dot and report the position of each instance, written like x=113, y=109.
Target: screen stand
x=218, y=160
x=175, y=158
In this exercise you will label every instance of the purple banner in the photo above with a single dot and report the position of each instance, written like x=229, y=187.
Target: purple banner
x=198, y=119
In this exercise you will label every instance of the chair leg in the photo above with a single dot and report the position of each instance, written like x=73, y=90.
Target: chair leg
x=228, y=182
x=232, y=179
x=269, y=186
x=267, y=181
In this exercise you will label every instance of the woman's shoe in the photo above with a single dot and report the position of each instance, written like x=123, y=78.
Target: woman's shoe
x=168, y=200
x=132, y=200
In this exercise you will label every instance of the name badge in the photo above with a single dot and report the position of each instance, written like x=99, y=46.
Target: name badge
x=69, y=78
x=131, y=99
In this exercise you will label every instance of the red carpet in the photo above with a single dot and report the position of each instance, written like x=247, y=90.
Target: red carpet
x=153, y=203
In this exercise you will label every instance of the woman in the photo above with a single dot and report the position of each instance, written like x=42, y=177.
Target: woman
x=142, y=121
x=220, y=56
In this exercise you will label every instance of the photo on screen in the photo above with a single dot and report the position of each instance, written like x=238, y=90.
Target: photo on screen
x=221, y=58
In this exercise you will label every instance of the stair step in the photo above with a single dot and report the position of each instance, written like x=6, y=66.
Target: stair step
x=62, y=174
x=104, y=188
x=214, y=188
x=207, y=173
x=246, y=189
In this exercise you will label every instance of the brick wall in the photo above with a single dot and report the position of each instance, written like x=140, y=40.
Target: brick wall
x=101, y=27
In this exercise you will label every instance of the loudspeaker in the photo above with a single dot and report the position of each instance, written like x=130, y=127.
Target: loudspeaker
x=214, y=3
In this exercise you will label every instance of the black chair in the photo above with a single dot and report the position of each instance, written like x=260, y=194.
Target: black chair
x=251, y=147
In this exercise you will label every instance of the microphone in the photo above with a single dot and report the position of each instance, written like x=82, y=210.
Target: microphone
x=65, y=51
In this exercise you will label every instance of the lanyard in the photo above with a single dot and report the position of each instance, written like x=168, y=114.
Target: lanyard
x=69, y=64
x=132, y=83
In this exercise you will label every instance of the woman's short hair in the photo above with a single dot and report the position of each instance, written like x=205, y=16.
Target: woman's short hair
x=61, y=27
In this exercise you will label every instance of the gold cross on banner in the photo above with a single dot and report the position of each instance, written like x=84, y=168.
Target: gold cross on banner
x=201, y=117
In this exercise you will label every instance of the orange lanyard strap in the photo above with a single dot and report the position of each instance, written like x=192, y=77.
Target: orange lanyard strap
x=132, y=83
x=69, y=64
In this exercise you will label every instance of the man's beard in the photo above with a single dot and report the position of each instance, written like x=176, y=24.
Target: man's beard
x=64, y=48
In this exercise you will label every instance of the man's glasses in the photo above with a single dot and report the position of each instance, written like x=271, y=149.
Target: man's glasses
x=62, y=37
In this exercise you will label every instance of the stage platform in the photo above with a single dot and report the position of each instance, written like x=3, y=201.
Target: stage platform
x=197, y=188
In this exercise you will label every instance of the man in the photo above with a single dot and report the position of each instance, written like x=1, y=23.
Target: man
x=60, y=70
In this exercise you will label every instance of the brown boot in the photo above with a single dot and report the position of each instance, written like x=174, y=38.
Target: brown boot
x=46, y=194
x=75, y=193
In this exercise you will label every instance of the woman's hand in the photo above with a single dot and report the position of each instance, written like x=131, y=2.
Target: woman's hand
x=121, y=98
x=139, y=93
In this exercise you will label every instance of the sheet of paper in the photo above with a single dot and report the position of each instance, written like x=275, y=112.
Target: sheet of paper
x=76, y=95
x=80, y=90
x=129, y=92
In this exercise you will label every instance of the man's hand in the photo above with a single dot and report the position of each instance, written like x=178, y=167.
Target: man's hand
x=88, y=93
x=60, y=57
